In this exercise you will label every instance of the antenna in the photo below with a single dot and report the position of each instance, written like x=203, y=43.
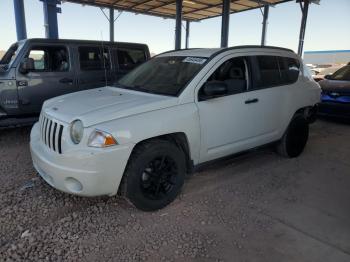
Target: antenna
x=104, y=60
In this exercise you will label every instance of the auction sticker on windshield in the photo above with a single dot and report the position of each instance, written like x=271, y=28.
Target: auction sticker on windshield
x=194, y=60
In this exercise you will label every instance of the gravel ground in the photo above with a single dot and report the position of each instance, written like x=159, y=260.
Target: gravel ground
x=256, y=207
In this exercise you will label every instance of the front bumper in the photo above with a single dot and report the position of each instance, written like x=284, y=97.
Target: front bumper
x=333, y=109
x=88, y=172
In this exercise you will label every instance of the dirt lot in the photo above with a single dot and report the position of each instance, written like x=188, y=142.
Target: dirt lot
x=257, y=207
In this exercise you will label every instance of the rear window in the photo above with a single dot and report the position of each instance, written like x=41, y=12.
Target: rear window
x=93, y=58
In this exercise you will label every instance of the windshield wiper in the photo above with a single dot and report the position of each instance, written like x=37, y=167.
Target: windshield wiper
x=141, y=89
x=135, y=87
x=125, y=87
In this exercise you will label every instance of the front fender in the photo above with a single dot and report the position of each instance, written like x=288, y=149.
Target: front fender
x=177, y=119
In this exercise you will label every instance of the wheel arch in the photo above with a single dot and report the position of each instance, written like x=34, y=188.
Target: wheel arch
x=300, y=111
x=179, y=139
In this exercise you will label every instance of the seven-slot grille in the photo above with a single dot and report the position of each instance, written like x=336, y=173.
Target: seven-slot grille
x=51, y=133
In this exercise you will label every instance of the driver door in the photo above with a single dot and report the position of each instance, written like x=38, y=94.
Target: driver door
x=53, y=75
x=238, y=120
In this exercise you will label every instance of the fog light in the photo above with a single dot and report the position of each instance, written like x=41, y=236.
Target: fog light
x=73, y=185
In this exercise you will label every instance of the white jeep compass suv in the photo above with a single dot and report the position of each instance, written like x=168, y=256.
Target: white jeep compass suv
x=176, y=111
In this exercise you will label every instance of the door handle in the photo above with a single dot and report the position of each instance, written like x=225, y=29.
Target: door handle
x=66, y=81
x=251, y=101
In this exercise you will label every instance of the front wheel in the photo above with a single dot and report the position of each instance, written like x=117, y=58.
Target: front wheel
x=154, y=175
x=294, y=140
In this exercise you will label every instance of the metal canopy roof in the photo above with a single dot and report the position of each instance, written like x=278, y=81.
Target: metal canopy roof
x=192, y=10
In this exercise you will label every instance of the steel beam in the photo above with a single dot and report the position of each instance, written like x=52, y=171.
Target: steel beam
x=261, y=2
x=50, y=17
x=264, y=25
x=305, y=11
x=187, y=33
x=225, y=22
x=178, y=23
x=20, y=19
x=111, y=24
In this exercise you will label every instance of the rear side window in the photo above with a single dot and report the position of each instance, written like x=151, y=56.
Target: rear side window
x=93, y=58
x=269, y=74
x=129, y=58
x=290, y=69
x=276, y=71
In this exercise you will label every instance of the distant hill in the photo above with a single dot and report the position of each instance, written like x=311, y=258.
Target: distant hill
x=2, y=53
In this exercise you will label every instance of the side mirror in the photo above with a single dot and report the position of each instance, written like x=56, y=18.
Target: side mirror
x=27, y=65
x=329, y=77
x=213, y=89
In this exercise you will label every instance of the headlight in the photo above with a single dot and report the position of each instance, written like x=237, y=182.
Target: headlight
x=100, y=138
x=76, y=131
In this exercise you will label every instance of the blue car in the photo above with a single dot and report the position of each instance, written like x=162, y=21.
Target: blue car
x=335, y=100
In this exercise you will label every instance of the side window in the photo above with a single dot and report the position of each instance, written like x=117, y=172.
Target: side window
x=293, y=70
x=130, y=58
x=269, y=72
x=50, y=58
x=40, y=58
x=234, y=73
x=92, y=58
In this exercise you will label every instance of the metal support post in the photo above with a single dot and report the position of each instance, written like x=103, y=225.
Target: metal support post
x=178, y=24
x=305, y=11
x=50, y=17
x=225, y=22
x=20, y=19
x=111, y=24
x=264, y=26
x=187, y=33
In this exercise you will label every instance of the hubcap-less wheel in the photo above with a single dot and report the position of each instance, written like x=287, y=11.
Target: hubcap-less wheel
x=155, y=174
x=294, y=140
x=159, y=177
x=297, y=137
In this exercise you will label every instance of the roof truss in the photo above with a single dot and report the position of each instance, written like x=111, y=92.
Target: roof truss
x=193, y=10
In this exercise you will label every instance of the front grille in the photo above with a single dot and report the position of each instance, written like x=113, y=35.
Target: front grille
x=51, y=133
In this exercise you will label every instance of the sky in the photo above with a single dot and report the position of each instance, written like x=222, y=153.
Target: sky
x=328, y=26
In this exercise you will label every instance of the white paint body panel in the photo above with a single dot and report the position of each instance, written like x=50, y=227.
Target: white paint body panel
x=214, y=128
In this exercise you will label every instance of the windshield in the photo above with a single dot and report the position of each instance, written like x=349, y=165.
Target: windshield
x=10, y=55
x=163, y=75
x=342, y=74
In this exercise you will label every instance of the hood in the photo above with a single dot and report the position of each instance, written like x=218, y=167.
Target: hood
x=335, y=85
x=104, y=104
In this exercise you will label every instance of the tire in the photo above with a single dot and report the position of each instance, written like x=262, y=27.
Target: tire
x=154, y=175
x=295, y=138
x=311, y=114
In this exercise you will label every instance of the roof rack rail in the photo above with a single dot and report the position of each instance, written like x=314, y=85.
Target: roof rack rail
x=182, y=49
x=231, y=48
x=260, y=46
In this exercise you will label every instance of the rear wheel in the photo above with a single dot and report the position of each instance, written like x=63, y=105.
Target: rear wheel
x=154, y=175
x=294, y=140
